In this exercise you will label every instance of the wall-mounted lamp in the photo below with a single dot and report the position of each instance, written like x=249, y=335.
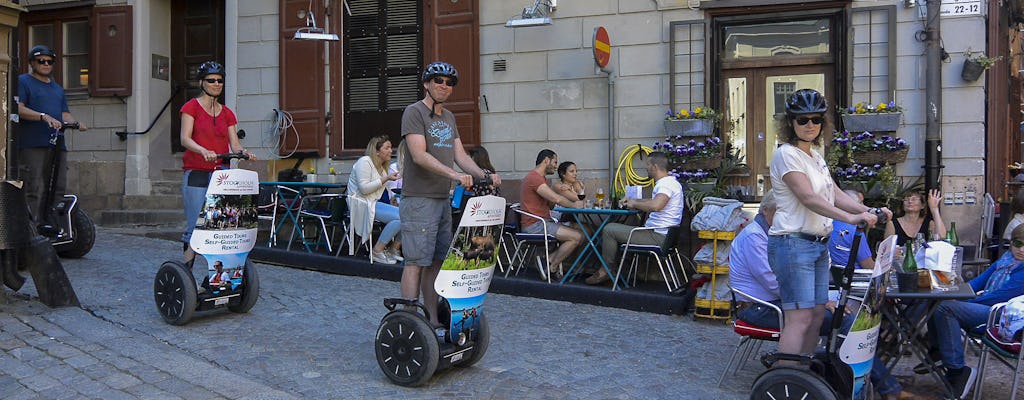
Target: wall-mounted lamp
x=311, y=31
x=536, y=15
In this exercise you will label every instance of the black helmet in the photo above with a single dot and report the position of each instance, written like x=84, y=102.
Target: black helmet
x=806, y=101
x=440, y=68
x=41, y=50
x=209, y=67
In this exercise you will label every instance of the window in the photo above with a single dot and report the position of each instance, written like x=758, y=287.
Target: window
x=67, y=32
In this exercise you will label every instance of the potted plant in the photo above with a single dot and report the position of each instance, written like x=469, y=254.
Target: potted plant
x=866, y=148
x=699, y=122
x=703, y=183
x=686, y=154
x=863, y=117
x=975, y=64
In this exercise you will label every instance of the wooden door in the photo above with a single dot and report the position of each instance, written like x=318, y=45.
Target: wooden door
x=302, y=86
x=754, y=103
x=452, y=35
x=197, y=36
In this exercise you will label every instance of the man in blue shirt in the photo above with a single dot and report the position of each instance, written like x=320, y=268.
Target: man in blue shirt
x=42, y=108
x=1001, y=282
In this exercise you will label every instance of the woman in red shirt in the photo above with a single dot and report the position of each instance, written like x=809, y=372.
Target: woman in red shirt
x=208, y=128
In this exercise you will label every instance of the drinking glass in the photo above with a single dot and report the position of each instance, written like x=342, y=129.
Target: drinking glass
x=582, y=193
x=599, y=195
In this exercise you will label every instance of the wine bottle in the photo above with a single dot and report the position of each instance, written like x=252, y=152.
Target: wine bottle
x=951, y=235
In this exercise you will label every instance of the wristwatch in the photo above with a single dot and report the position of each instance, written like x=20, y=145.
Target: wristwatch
x=41, y=115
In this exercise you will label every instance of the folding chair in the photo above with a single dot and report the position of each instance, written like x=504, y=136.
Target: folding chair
x=528, y=242
x=319, y=208
x=751, y=336
x=1007, y=352
x=663, y=254
x=266, y=209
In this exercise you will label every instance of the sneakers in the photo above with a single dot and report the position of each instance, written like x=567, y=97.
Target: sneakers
x=962, y=380
x=397, y=256
x=381, y=257
x=598, y=278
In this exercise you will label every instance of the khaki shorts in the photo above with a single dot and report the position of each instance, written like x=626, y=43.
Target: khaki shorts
x=426, y=229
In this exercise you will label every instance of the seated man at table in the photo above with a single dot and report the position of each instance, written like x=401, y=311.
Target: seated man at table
x=1001, y=282
x=665, y=207
x=841, y=240
x=537, y=198
x=750, y=273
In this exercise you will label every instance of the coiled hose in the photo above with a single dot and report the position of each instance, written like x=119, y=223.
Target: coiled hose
x=625, y=174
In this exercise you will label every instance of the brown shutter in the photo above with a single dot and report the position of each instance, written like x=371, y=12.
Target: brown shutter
x=110, y=54
x=452, y=34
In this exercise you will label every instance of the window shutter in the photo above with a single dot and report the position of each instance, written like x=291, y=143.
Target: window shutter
x=111, y=52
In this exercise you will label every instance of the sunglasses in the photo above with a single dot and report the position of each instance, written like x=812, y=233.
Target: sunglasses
x=805, y=120
x=1017, y=243
x=446, y=82
x=45, y=61
x=214, y=80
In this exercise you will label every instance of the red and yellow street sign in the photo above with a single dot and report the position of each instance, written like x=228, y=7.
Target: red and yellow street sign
x=602, y=47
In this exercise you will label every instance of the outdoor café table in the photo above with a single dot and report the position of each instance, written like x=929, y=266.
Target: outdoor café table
x=910, y=314
x=291, y=201
x=591, y=222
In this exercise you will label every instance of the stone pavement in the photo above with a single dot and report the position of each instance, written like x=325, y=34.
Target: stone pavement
x=311, y=336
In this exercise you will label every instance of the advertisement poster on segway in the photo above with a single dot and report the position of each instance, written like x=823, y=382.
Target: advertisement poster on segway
x=466, y=273
x=858, y=348
x=226, y=228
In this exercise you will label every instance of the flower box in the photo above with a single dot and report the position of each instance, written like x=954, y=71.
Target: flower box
x=880, y=122
x=699, y=163
x=879, y=157
x=689, y=127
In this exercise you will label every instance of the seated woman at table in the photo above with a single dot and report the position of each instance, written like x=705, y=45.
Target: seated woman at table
x=366, y=185
x=920, y=215
x=665, y=208
x=569, y=186
x=1002, y=281
x=483, y=160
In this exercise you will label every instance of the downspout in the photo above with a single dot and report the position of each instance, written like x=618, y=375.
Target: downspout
x=933, y=98
x=611, y=131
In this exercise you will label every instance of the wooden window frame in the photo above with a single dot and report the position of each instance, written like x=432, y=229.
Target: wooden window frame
x=55, y=18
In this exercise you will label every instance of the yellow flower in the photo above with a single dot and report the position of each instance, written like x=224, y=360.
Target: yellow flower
x=697, y=110
x=312, y=170
x=881, y=107
x=684, y=113
x=331, y=170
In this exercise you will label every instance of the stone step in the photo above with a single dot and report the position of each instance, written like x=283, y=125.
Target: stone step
x=167, y=188
x=153, y=202
x=171, y=174
x=142, y=217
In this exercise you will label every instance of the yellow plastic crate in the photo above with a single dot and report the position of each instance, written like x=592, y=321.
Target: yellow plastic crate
x=711, y=304
x=703, y=268
x=720, y=235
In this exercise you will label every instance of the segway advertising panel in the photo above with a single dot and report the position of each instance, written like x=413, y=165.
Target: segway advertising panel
x=858, y=348
x=466, y=273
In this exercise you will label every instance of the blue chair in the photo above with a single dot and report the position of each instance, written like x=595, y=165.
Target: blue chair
x=527, y=243
x=666, y=254
x=319, y=209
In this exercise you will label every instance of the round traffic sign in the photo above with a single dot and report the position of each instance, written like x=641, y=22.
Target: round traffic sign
x=602, y=47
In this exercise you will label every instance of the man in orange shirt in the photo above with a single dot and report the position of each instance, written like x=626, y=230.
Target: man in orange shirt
x=537, y=198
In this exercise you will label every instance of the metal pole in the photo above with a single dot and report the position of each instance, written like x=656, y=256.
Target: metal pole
x=611, y=132
x=933, y=98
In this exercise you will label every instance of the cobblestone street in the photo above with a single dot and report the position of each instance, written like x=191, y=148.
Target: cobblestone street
x=311, y=336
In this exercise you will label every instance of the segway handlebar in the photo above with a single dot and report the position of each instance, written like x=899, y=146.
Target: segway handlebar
x=882, y=218
x=485, y=181
x=236, y=155
x=69, y=125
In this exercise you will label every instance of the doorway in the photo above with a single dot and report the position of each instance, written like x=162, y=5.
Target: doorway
x=754, y=103
x=197, y=36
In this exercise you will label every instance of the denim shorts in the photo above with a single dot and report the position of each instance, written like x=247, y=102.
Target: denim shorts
x=426, y=229
x=802, y=269
x=537, y=228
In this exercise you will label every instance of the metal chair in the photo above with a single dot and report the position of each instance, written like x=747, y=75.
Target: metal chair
x=1007, y=352
x=350, y=232
x=666, y=254
x=751, y=336
x=319, y=208
x=267, y=209
x=526, y=243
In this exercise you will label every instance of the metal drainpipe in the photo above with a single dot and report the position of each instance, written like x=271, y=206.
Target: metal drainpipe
x=933, y=98
x=611, y=132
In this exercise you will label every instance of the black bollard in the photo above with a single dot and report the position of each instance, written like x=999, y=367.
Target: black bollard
x=22, y=248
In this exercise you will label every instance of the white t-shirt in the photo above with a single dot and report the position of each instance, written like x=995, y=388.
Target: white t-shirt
x=1017, y=220
x=672, y=213
x=791, y=215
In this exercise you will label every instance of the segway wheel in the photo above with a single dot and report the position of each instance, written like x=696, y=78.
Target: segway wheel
x=483, y=341
x=790, y=383
x=406, y=348
x=250, y=289
x=84, y=232
x=174, y=290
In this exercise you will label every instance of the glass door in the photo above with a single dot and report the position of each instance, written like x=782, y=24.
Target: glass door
x=754, y=102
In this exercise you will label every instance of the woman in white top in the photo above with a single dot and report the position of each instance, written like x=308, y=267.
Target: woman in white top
x=807, y=201
x=1017, y=205
x=366, y=185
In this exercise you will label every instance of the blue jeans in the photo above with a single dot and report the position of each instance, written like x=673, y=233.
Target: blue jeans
x=802, y=269
x=944, y=328
x=192, y=198
x=388, y=214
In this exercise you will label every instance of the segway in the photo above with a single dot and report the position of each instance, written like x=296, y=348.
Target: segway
x=225, y=233
x=841, y=370
x=64, y=222
x=409, y=350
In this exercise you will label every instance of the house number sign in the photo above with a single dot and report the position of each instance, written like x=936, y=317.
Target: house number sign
x=960, y=7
